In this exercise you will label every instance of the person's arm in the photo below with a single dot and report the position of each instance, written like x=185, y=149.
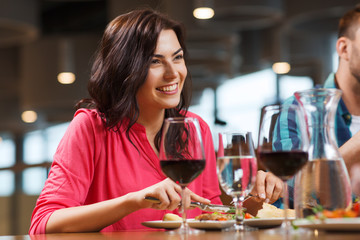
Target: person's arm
x=90, y=218
x=350, y=152
x=94, y=217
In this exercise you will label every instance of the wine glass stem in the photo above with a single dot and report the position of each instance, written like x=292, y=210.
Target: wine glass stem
x=183, y=208
x=239, y=218
x=286, y=224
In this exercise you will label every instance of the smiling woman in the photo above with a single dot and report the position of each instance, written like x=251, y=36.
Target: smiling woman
x=107, y=162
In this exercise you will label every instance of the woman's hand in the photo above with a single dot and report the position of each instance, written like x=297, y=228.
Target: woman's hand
x=168, y=192
x=268, y=187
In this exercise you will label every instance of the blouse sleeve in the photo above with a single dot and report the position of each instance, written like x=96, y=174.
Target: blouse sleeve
x=71, y=172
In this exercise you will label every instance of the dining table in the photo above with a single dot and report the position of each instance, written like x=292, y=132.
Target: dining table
x=265, y=234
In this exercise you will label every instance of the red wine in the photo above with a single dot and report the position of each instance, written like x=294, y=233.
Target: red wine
x=284, y=164
x=184, y=171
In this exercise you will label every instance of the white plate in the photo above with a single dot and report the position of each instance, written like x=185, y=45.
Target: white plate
x=162, y=224
x=210, y=225
x=264, y=222
x=330, y=224
x=215, y=225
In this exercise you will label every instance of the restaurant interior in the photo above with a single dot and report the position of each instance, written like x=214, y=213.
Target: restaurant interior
x=41, y=38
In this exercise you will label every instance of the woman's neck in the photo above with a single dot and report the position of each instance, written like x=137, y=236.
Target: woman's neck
x=152, y=121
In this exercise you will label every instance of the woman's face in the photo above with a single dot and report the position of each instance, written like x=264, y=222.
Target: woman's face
x=166, y=75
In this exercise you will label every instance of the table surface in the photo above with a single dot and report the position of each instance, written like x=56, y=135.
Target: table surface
x=208, y=235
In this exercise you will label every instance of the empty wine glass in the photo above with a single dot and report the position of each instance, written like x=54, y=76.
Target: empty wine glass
x=237, y=168
x=181, y=154
x=283, y=151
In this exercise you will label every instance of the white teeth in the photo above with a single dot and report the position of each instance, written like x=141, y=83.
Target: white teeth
x=168, y=88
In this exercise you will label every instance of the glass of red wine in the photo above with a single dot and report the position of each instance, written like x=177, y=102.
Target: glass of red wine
x=237, y=168
x=181, y=154
x=283, y=146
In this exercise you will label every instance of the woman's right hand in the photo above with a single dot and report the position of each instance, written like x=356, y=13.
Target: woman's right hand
x=166, y=191
x=169, y=194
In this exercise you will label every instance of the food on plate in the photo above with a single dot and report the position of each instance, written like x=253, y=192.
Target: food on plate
x=248, y=216
x=271, y=211
x=171, y=217
x=268, y=211
x=215, y=216
x=321, y=213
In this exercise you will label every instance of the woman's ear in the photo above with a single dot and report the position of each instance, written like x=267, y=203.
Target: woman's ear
x=343, y=48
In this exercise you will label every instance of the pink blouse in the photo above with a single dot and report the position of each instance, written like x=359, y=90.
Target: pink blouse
x=93, y=164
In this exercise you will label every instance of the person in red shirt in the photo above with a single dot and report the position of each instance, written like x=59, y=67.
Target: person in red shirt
x=107, y=162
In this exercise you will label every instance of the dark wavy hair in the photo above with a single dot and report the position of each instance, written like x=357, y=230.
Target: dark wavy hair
x=121, y=66
x=349, y=23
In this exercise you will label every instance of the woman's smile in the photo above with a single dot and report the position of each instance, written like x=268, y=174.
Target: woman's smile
x=169, y=89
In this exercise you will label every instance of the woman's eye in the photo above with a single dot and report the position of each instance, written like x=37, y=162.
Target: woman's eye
x=179, y=57
x=155, y=61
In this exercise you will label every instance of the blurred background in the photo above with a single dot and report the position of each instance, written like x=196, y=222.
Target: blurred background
x=232, y=61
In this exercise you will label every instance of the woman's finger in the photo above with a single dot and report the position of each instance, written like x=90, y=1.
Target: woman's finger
x=197, y=198
x=175, y=199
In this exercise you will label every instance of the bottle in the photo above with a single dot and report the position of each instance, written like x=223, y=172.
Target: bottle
x=324, y=180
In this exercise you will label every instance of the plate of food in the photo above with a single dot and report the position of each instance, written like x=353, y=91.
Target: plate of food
x=212, y=221
x=332, y=220
x=206, y=221
x=161, y=224
x=170, y=221
x=210, y=224
x=265, y=222
x=330, y=224
x=269, y=216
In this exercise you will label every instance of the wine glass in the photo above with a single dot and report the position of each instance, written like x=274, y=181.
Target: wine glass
x=283, y=150
x=237, y=168
x=181, y=154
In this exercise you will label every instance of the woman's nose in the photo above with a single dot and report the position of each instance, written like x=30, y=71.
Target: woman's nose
x=170, y=71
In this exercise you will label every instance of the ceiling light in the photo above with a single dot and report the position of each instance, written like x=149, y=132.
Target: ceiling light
x=203, y=9
x=281, y=67
x=66, y=77
x=29, y=116
x=66, y=61
x=203, y=13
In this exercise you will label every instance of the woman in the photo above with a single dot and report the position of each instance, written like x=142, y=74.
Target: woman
x=107, y=161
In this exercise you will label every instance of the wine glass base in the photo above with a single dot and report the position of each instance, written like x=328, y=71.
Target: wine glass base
x=240, y=228
x=185, y=230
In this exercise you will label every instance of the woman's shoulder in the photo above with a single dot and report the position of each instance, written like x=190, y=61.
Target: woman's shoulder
x=86, y=116
x=87, y=113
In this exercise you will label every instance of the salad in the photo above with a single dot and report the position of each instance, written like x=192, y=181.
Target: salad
x=321, y=213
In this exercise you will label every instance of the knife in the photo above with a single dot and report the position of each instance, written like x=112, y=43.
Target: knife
x=204, y=207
